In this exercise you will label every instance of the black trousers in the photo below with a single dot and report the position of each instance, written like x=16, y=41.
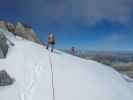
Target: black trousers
x=50, y=45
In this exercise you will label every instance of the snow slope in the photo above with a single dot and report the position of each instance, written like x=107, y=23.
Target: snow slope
x=73, y=78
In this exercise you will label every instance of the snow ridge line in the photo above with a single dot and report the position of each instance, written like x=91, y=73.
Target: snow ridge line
x=52, y=76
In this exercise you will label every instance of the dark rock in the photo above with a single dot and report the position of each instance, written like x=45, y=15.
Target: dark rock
x=5, y=79
x=3, y=46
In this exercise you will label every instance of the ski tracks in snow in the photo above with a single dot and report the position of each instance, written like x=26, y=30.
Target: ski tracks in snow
x=26, y=93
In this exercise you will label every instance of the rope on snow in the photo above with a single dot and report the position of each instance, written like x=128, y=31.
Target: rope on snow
x=52, y=76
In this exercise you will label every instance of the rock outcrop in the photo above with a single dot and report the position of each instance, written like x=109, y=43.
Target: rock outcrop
x=3, y=24
x=3, y=46
x=26, y=32
x=23, y=30
x=5, y=79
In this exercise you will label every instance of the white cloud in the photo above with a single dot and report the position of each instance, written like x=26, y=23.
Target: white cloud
x=87, y=11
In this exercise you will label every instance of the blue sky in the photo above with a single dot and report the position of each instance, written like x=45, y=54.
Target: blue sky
x=85, y=24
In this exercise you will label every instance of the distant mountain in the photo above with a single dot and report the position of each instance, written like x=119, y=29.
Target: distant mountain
x=121, y=61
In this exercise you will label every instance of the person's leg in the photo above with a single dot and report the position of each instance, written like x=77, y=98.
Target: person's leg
x=47, y=46
x=52, y=47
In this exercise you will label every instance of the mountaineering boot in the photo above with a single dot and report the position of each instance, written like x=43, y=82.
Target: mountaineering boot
x=47, y=47
x=52, y=50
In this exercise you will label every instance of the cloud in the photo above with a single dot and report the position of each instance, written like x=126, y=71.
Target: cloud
x=87, y=11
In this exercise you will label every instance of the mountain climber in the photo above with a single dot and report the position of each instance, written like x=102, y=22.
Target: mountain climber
x=72, y=50
x=51, y=41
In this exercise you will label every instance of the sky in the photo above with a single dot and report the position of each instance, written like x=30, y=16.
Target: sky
x=101, y=25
